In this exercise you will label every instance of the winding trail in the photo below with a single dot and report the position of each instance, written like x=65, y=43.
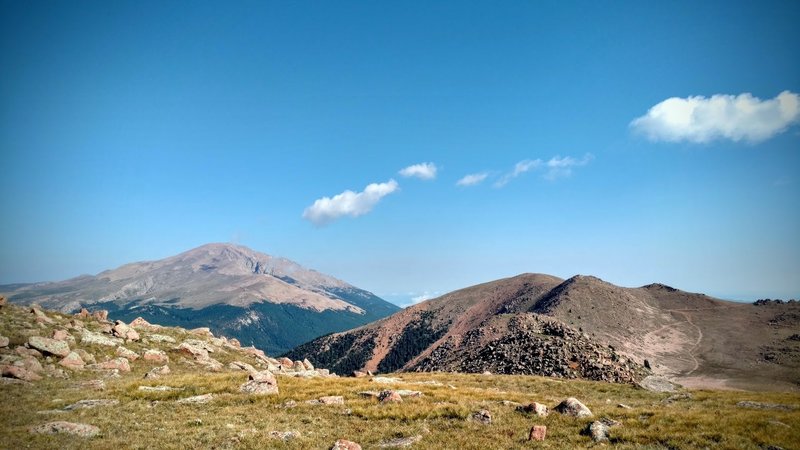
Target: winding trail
x=688, y=317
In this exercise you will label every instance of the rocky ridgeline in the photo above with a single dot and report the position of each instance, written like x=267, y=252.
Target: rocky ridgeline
x=534, y=345
x=37, y=344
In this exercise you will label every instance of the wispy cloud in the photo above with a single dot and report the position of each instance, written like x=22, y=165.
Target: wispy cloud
x=327, y=209
x=519, y=168
x=472, y=179
x=562, y=167
x=555, y=167
x=734, y=117
x=424, y=171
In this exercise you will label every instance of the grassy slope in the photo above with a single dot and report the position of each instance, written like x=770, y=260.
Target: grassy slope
x=710, y=419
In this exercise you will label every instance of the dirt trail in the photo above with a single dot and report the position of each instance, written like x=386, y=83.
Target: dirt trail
x=688, y=317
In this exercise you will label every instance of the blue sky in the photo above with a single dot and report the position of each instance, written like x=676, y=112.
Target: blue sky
x=136, y=130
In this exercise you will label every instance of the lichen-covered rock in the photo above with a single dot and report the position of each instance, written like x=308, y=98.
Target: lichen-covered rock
x=535, y=407
x=4, y=342
x=49, y=346
x=344, y=444
x=122, y=330
x=205, y=398
x=483, y=416
x=155, y=355
x=537, y=433
x=573, y=407
x=88, y=338
x=157, y=372
x=125, y=353
x=120, y=364
x=19, y=373
x=260, y=383
x=59, y=427
x=389, y=396
x=88, y=404
x=61, y=335
x=161, y=338
x=598, y=431
x=73, y=361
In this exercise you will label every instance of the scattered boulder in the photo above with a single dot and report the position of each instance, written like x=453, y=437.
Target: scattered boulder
x=535, y=407
x=61, y=427
x=101, y=315
x=259, y=383
x=24, y=351
x=40, y=316
x=401, y=442
x=344, y=444
x=157, y=372
x=124, y=352
x=238, y=365
x=162, y=338
x=20, y=373
x=390, y=397
x=73, y=361
x=597, y=430
x=201, y=331
x=284, y=435
x=298, y=366
x=61, y=335
x=86, y=404
x=327, y=400
x=29, y=363
x=120, y=364
x=3, y=302
x=759, y=405
x=483, y=416
x=4, y=342
x=537, y=433
x=159, y=388
x=197, y=399
x=385, y=380
x=97, y=385
x=87, y=357
x=84, y=314
x=359, y=374
x=156, y=356
x=573, y=407
x=122, y=330
x=655, y=383
x=47, y=345
x=139, y=322
x=409, y=393
x=234, y=342
x=198, y=353
x=286, y=363
x=623, y=406
x=88, y=337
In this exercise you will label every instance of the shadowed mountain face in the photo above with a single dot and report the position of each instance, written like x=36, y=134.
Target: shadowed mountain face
x=582, y=327
x=266, y=301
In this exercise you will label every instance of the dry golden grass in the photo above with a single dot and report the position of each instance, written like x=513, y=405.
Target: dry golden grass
x=710, y=419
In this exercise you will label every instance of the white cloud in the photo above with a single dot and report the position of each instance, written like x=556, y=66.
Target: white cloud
x=519, y=168
x=425, y=171
x=472, y=179
x=562, y=167
x=419, y=298
x=348, y=203
x=699, y=119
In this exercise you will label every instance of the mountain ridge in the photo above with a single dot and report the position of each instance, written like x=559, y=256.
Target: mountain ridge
x=261, y=299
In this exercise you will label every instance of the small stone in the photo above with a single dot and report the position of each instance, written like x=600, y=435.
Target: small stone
x=359, y=374
x=159, y=388
x=401, y=442
x=390, y=397
x=284, y=435
x=535, y=407
x=205, y=398
x=77, y=429
x=51, y=346
x=623, y=406
x=87, y=404
x=538, y=433
x=332, y=400
x=344, y=444
x=157, y=372
x=4, y=342
x=483, y=416
x=597, y=430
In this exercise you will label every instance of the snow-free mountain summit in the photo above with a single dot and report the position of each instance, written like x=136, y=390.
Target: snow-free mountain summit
x=268, y=301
